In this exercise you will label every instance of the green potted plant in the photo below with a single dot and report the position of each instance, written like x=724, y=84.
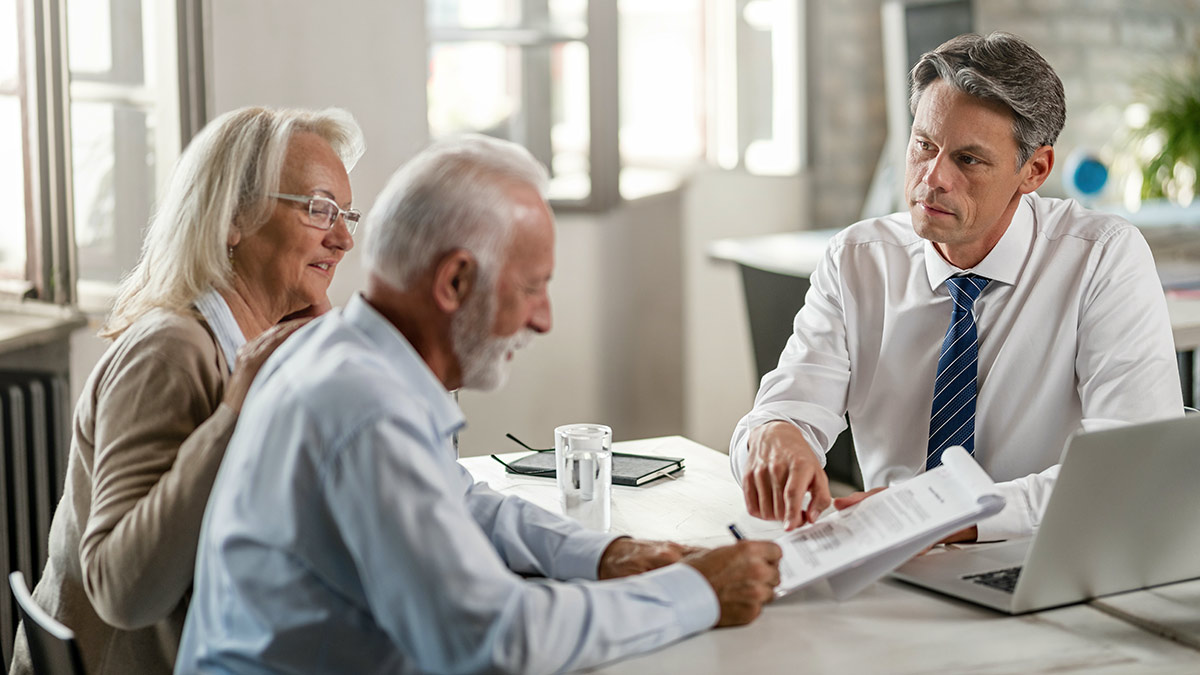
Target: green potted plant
x=1171, y=136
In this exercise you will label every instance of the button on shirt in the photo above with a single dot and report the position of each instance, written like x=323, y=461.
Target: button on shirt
x=1073, y=333
x=343, y=537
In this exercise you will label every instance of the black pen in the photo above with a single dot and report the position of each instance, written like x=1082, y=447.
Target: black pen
x=736, y=532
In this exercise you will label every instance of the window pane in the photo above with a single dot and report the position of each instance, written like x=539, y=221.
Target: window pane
x=661, y=79
x=115, y=120
x=769, y=101
x=108, y=41
x=114, y=186
x=12, y=190
x=8, y=44
x=570, y=14
x=570, y=133
x=478, y=87
x=152, y=42
x=89, y=36
x=473, y=86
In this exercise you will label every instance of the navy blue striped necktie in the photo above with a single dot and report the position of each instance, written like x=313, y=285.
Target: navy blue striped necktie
x=952, y=419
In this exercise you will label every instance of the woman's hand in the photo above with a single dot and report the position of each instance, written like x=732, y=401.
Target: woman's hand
x=252, y=356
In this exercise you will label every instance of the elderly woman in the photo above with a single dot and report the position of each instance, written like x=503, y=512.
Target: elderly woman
x=253, y=224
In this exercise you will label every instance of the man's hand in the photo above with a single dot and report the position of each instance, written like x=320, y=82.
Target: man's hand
x=743, y=576
x=781, y=469
x=969, y=534
x=850, y=500
x=627, y=556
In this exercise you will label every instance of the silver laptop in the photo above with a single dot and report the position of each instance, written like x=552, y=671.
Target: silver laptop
x=1124, y=515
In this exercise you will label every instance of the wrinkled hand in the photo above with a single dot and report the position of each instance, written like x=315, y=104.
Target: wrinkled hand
x=780, y=470
x=252, y=356
x=627, y=556
x=743, y=576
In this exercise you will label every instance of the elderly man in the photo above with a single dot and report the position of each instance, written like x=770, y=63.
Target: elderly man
x=1056, y=317
x=342, y=536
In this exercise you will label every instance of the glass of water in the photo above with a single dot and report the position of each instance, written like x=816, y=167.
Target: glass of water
x=583, y=462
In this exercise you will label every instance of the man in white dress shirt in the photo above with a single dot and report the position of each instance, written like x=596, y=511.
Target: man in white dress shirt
x=1064, y=327
x=343, y=537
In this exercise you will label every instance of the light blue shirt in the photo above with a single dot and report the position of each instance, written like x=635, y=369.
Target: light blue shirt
x=343, y=537
x=220, y=321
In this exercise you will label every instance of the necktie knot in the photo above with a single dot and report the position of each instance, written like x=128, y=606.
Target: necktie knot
x=966, y=289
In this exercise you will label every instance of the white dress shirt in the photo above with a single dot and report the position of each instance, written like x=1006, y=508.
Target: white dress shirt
x=342, y=536
x=1073, y=333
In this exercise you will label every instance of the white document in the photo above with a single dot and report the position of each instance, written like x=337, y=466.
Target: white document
x=854, y=547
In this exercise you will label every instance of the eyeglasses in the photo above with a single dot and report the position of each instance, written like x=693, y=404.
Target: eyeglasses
x=322, y=211
x=526, y=471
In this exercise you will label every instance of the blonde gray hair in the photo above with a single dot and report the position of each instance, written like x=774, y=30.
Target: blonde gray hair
x=220, y=184
x=453, y=195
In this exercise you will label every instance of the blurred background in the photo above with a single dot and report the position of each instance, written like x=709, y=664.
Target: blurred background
x=667, y=125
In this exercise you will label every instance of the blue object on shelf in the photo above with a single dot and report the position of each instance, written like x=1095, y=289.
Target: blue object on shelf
x=1084, y=175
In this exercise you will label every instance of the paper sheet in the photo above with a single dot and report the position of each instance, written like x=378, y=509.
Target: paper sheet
x=854, y=547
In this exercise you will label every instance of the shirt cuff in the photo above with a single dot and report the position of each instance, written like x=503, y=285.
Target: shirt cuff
x=693, y=599
x=579, y=555
x=1014, y=521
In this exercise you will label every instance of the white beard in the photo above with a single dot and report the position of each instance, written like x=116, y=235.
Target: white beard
x=483, y=358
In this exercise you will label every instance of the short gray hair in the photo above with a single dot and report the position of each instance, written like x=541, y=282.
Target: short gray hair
x=1002, y=68
x=220, y=183
x=453, y=195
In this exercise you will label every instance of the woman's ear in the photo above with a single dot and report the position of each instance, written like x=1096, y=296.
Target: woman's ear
x=235, y=236
x=454, y=279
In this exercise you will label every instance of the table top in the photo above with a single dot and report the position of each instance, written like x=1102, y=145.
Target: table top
x=702, y=499
x=889, y=627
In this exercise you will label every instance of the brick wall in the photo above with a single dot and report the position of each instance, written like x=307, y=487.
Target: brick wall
x=846, y=104
x=1101, y=49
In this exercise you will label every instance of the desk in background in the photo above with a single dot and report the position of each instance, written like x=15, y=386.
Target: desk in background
x=890, y=627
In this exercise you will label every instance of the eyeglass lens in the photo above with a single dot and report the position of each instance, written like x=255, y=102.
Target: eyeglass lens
x=324, y=213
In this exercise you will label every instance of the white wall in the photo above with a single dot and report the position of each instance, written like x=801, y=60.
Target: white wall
x=614, y=355
x=363, y=55
x=719, y=374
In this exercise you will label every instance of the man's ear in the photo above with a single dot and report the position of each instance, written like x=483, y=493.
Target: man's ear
x=1037, y=168
x=454, y=279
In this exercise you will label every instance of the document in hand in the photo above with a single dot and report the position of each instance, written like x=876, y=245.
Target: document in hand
x=854, y=547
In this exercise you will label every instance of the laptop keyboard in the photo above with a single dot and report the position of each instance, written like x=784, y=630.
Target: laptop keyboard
x=1002, y=580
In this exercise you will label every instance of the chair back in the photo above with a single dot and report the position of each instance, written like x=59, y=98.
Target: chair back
x=52, y=646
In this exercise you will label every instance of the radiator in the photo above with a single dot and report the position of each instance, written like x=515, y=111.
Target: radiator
x=34, y=444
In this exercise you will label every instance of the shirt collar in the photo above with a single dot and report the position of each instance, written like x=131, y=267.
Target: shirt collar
x=1003, y=263
x=220, y=321
x=447, y=416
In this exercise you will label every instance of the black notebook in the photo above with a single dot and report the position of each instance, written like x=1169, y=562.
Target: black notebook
x=627, y=469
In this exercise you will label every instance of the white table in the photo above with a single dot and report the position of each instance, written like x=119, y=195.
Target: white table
x=890, y=627
x=1172, y=611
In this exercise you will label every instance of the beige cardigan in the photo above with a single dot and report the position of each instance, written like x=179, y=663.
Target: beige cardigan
x=149, y=433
